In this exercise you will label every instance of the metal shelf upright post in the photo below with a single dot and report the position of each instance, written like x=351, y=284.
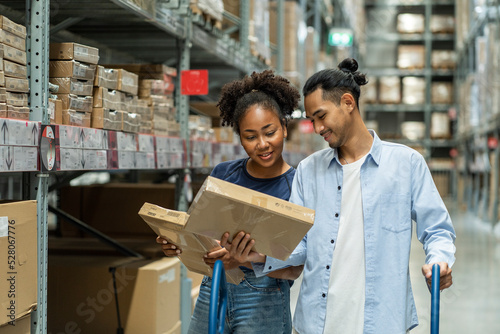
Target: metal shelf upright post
x=36, y=184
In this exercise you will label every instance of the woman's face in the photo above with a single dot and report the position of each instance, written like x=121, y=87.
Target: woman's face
x=262, y=137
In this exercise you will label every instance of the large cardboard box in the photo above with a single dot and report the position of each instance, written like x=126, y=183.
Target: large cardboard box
x=14, y=54
x=74, y=51
x=13, y=40
x=277, y=225
x=104, y=118
x=81, y=294
x=128, y=82
x=77, y=103
x=17, y=85
x=93, y=204
x=55, y=111
x=18, y=260
x=14, y=70
x=76, y=118
x=106, y=77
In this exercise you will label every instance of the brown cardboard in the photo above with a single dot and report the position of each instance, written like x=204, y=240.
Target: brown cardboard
x=81, y=294
x=442, y=92
x=413, y=90
x=128, y=82
x=14, y=28
x=106, y=77
x=10, y=39
x=14, y=70
x=55, y=111
x=74, y=51
x=411, y=56
x=18, y=269
x=17, y=99
x=13, y=54
x=104, y=118
x=105, y=98
x=92, y=205
x=131, y=122
x=18, y=112
x=170, y=224
x=71, y=69
x=21, y=326
x=176, y=329
x=411, y=23
x=76, y=118
x=276, y=225
x=147, y=71
x=77, y=103
x=3, y=95
x=17, y=85
x=73, y=86
x=390, y=89
x=2, y=79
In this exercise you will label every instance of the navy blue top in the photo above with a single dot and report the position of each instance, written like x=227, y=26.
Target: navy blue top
x=235, y=171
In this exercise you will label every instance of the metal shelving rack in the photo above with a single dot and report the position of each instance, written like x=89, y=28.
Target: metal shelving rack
x=479, y=166
x=401, y=112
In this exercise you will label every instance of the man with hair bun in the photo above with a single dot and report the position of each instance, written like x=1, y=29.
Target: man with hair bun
x=258, y=108
x=366, y=193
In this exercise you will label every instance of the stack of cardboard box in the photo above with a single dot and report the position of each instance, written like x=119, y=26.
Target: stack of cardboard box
x=14, y=85
x=106, y=112
x=155, y=102
x=72, y=69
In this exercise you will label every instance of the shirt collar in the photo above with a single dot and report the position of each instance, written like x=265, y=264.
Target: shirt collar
x=375, y=151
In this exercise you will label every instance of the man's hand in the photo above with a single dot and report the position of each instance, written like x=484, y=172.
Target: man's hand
x=445, y=280
x=168, y=248
x=240, y=248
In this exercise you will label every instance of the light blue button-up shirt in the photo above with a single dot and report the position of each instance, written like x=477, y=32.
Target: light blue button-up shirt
x=397, y=188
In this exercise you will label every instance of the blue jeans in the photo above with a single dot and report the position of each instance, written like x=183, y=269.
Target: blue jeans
x=257, y=305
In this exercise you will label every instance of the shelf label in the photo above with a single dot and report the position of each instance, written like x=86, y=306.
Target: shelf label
x=194, y=82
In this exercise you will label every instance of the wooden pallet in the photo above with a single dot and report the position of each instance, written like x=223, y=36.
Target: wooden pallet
x=207, y=18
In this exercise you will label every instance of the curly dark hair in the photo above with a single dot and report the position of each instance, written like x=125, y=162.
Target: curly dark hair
x=268, y=90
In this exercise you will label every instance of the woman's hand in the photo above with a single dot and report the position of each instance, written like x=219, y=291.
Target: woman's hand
x=223, y=255
x=240, y=248
x=168, y=248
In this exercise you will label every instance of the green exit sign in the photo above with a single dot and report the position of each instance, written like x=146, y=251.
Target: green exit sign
x=340, y=37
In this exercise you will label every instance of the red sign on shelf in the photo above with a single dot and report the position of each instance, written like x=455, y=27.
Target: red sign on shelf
x=194, y=82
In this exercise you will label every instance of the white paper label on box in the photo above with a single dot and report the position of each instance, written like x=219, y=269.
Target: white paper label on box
x=168, y=277
x=4, y=226
x=52, y=110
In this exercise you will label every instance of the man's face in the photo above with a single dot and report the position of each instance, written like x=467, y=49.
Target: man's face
x=329, y=120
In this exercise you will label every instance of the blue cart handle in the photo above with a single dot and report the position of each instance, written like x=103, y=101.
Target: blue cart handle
x=435, y=299
x=218, y=300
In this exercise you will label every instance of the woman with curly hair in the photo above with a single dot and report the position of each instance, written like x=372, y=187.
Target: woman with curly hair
x=258, y=108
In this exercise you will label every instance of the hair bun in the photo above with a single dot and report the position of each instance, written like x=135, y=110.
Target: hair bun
x=349, y=65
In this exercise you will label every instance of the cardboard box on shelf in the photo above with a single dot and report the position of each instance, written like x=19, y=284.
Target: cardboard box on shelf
x=2, y=79
x=131, y=122
x=411, y=23
x=71, y=69
x=413, y=130
x=442, y=92
x=442, y=24
x=73, y=86
x=443, y=59
x=413, y=90
x=74, y=51
x=76, y=103
x=147, y=71
x=18, y=112
x=143, y=288
x=14, y=55
x=3, y=95
x=293, y=17
x=411, y=56
x=76, y=118
x=370, y=91
x=105, y=98
x=440, y=126
x=128, y=82
x=17, y=85
x=18, y=260
x=17, y=99
x=55, y=111
x=104, y=118
x=390, y=90
x=91, y=205
x=14, y=70
x=106, y=77
x=12, y=27
x=12, y=40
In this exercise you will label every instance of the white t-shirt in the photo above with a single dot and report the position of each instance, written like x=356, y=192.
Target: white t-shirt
x=346, y=292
